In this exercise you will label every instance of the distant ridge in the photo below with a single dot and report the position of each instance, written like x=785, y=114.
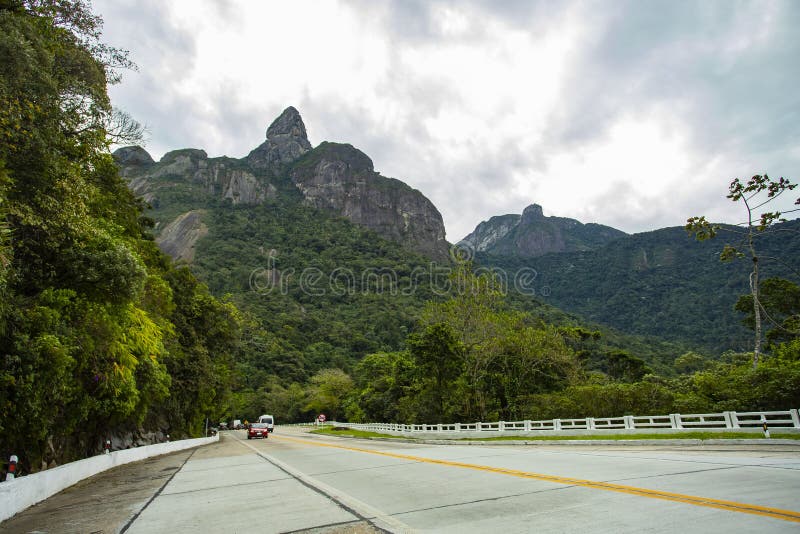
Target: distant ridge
x=532, y=234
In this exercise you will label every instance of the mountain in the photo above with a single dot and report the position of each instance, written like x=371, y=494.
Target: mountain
x=661, y=283
x=328, y=259
x=335, y=177
x=532, y=234
x=320, y=252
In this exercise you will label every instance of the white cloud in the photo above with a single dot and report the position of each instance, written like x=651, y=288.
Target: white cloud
x=633, y=116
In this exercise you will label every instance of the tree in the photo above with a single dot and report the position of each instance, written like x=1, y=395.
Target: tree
x=625, y=367
x=382, y=381
x=533, y=360
x=779, y=300
x=475, y=314
x=439, y=360
x=328, y=392
x=759, y=191
x=99, y=335
x=689, y=362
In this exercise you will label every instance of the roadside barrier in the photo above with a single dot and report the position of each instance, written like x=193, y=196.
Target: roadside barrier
x=19, y=493
x=786, y=420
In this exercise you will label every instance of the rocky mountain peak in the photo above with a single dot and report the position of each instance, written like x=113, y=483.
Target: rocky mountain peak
x=289, y=124
x=286, y=142
x=334, y=177
x=132, y=155
x=532, y=213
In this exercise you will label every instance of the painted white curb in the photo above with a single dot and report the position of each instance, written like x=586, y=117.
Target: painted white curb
x=20, y=493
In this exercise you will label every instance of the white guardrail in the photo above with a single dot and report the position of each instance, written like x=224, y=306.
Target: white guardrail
x=20, y=493
x=778, y=420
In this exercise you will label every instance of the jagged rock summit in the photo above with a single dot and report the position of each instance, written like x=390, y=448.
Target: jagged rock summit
x=334, y=177
x=532, y=234
x=286, y=142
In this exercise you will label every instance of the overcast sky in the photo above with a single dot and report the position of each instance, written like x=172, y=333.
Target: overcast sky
x=632, y=114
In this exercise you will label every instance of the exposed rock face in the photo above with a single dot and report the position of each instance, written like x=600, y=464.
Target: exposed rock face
x=133, y=155
x=132, y=158
x=341, y=178
x=333, y=177
x=286, y=142
x=179, y=237
x=223, y=177
x=532, y=234
x=490, y=232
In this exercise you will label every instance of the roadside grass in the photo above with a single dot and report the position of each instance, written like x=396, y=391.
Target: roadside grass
x=349, y=432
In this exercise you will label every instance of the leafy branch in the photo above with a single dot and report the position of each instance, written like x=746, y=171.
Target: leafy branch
x=754, y=194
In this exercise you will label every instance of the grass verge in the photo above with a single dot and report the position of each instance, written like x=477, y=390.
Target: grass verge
x=344, y=431
x=349, y=432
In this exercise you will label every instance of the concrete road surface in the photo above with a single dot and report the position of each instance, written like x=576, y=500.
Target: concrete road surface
x=297, y=482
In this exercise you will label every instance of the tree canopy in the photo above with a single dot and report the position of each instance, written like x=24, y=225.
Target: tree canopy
x=99, y=334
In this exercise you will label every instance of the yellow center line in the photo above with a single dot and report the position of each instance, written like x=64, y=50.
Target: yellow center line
x=732, y=506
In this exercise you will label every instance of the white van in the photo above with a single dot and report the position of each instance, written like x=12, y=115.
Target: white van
x=269, y=420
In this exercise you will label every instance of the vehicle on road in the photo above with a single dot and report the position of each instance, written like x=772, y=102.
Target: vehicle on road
x=258, y=430
x=237, y=424
x=269, y=420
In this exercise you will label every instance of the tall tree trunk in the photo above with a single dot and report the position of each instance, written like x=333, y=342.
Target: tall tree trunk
x=756, y=310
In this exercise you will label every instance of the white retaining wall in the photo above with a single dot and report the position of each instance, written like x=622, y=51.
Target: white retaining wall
x=22, y=492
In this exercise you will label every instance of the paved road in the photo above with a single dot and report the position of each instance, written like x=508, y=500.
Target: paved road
x=296, y=482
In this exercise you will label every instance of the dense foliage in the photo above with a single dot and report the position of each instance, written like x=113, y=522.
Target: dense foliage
x=661, y=283
x=472, y=357
x=99, y=334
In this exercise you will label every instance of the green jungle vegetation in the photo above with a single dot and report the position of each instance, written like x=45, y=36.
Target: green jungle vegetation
x=101, y=334
x=661, y=283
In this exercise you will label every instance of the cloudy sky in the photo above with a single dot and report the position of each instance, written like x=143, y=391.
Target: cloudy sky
x=636, y=114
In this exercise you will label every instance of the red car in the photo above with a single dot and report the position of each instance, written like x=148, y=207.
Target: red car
x=258, y=430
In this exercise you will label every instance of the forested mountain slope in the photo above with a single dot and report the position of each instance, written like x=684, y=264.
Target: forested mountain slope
x=662, y=283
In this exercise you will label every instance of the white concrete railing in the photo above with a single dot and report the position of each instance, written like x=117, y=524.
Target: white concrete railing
x=787, y=419
x=20, y=493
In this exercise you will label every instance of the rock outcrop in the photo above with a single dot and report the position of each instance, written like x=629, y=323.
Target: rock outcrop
x=178, y=238
x=333, y=177
x=286, y=142
x=532, y=234
x=341, y=178
x=218, y=177
x=490, y=232
x=133, y=156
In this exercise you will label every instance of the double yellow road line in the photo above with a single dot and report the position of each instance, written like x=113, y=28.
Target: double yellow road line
x=731, y=506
